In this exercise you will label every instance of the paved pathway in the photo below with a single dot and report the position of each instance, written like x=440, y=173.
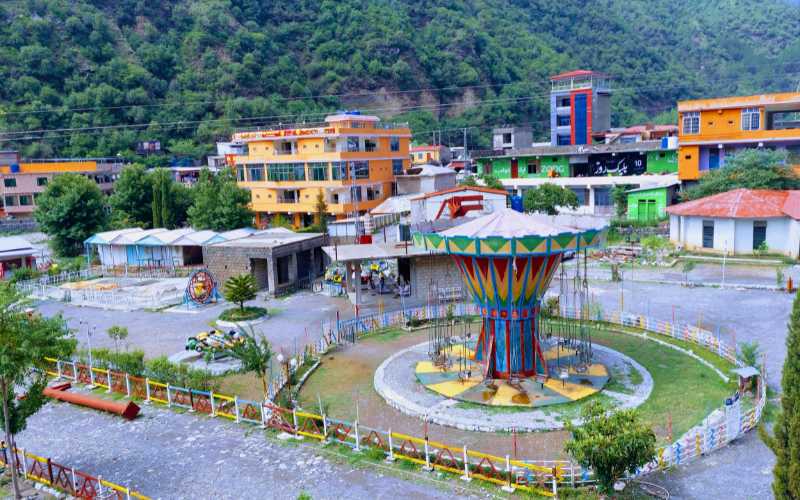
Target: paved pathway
x=169, y=455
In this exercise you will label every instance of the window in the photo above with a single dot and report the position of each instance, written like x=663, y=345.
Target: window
x=338, y=170
x=355, y=193
x=299, y=171
x=563, y=102
x=691, y=122
x=289, y=196
x=25, y=200
x=373, y=193
x=397, y=167
x=360, y=169
x=506, y=138
x=751, y=119
x=759, y=233
x=319, y=171
x=10, y=201
x=394, y=144
x=581, y=194
x=10, y=183
x=284, y=148
x=255, y=172
x=240, y=173
x=330, y=145
x=287, y=172
x=352, y=144
x=563, y=140
x=370, y=145
x=533, y=167
x=562, y=121
x=602, y=197
x=708, y=234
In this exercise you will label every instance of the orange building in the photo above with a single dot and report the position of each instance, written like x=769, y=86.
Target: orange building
x=22, y=181
x=351, y=159
x=712, y=129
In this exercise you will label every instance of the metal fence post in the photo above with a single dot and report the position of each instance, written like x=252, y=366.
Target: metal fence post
x=294, y=421
x=24, y=462
x=263, y=417
x=466, y=477
x=147, y=391
x=74, y=482
x=169, y=397
x=91, y=374
x=236, y=407
x=127, y=385
x=325, y=425
x=108, y=379
x=555, y=484
x=427, y=456
x=390, y=458
x=127, y=493
x=213, y=406
x=74, y=371
x=58, y=369
x=358, y=440
x=508, y=488
x=100, y=492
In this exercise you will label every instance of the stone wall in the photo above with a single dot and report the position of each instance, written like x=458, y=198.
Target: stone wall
x=438, y=270
x=224, y=262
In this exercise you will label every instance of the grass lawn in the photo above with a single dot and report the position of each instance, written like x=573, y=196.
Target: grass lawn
x=239, y=314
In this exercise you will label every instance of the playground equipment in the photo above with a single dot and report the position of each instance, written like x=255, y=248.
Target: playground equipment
x=507, y=260
x=128, y=410
x=202, y=289
x=214, y=341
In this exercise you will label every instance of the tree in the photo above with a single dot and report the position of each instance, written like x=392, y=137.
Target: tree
x=619, y=195
x=688, y=266
x=240, y=289
x=785, y=441
x=751, y=169
x=219, y=203
x=117, y=334
x=71, y=209
x=321, y=213
x=468, y=181
x=25, y=341
x=131, y=202
x=612, y=444
x=548, y=197
x=254, y=353
x=492, y=182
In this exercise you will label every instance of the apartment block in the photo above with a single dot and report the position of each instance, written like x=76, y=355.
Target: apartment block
x=352, y=159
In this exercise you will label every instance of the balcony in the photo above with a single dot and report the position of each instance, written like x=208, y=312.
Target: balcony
x=563, y=110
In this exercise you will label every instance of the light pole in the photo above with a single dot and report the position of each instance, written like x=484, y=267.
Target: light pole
x=724, y=257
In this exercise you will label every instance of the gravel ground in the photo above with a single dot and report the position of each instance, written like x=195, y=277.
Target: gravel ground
x=169, y=455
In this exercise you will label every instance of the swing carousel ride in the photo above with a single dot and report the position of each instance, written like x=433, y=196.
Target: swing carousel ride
x=507, y=260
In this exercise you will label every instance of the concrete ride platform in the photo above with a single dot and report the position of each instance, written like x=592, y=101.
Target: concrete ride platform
x=568, y=380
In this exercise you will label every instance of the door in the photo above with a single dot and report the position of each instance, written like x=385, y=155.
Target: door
x=651, y=210
x=713, y=159
x=708, y=234
x=514, y=168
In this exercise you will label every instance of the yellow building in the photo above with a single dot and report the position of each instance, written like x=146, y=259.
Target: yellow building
x=711, y=129
x=436, y=154
x=351, y=159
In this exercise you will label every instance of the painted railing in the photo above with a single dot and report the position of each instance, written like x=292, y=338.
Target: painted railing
x=540, y=476
x=66, y=479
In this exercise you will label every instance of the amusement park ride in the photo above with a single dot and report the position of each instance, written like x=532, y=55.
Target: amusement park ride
x=507, y=260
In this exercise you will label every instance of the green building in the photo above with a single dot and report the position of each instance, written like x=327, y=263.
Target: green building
x=649, y=203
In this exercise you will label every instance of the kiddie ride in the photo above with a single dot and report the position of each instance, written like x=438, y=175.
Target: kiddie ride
x=215, y=342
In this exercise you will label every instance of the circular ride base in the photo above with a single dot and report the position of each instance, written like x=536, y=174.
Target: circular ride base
x=568, y=380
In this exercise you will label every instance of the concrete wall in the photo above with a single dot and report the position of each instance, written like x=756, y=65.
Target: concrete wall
x=736, y=235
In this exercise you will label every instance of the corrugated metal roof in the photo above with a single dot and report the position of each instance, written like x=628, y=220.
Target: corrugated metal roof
x=743, y=204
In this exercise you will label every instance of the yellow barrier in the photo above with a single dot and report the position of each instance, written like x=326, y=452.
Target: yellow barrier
x=157, y=384
x=312, y=416
x=219, y=411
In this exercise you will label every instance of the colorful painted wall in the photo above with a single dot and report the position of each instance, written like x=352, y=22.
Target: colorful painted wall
x=662, y=162
x=649, y=204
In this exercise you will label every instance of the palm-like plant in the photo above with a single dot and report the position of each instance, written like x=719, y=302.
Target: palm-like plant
x=254, y=353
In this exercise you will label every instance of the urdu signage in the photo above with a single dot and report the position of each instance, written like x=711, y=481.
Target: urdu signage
x=290, y=132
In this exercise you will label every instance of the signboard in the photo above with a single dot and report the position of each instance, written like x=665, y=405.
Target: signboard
x=296, y=132
x=617, y=164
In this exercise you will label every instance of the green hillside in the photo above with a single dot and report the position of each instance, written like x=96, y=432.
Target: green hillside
x=92, y=77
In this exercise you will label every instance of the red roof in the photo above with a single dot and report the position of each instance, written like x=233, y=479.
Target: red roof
x=743, y=204
x=458, y=189
x=577, y=72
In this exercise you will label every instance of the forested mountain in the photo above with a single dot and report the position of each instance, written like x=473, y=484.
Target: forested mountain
x=92, y=77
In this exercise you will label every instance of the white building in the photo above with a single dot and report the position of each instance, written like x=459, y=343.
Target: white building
x=738, y=222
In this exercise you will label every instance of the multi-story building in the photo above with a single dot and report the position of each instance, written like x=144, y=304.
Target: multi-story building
x=351, y=159
x=636, y=157
x=579, y=106
x=22, y=181
x=713, y=129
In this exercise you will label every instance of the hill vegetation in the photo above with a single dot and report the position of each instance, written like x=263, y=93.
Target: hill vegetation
x=93, y=77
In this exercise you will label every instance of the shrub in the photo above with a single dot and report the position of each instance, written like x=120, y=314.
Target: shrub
x=131, y=362
x=24, y=274
x=239, y=289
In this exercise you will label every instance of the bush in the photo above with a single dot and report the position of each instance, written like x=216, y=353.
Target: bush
x=246, y=314
x=24, y=274
x=163, y=370
x=131, y=362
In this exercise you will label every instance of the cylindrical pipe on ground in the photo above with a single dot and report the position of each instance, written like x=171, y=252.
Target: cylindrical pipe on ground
x=127, y=410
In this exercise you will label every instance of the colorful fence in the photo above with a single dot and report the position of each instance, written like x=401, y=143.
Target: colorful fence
x=66, y=479
x=539, y=476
